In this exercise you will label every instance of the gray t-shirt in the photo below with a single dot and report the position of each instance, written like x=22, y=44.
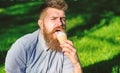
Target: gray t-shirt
x=29, y=54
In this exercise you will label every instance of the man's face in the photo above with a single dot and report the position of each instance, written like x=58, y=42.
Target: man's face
x=53, y=22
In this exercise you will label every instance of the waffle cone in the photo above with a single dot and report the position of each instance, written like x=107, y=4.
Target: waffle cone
x=61, y=37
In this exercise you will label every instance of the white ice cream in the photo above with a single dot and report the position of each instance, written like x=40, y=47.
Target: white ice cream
x=61, y=36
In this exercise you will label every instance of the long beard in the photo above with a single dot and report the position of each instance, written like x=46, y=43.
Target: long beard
x=52, y=43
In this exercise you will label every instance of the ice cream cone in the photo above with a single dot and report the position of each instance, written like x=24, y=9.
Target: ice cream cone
x=61, y=36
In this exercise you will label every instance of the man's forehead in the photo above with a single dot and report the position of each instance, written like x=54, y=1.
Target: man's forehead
x=55, y=12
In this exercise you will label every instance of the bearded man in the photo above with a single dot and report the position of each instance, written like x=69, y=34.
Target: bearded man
x=41, y=51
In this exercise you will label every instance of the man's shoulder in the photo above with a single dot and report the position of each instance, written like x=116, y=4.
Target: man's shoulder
x=27, y=41
x=29, y=38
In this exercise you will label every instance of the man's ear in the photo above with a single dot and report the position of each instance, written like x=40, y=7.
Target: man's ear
x=40, y=23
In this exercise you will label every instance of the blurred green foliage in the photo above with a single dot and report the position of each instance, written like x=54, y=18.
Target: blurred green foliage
x=92, y=25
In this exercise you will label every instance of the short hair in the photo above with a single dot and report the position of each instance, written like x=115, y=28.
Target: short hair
x=58, y=4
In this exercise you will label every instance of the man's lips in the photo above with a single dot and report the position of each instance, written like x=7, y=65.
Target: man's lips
x=59, y=28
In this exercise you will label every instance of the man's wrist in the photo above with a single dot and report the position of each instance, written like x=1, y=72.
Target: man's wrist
x=77, y=68
x=77, y=65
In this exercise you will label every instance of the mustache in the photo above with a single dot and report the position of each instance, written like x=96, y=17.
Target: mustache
x=59, y=28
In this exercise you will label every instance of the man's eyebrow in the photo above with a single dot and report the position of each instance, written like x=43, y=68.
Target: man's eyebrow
x=63, y=17
x=57, y=17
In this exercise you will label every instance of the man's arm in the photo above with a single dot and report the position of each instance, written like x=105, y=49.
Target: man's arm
x=70, y=52
x=15, y=59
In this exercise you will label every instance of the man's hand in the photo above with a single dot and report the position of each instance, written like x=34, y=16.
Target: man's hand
x=70, y=51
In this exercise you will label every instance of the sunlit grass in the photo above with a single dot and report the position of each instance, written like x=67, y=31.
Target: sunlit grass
x=2, y=70
x=74, y=22
x=91, y=50
x=1, y=10
x=104, y=42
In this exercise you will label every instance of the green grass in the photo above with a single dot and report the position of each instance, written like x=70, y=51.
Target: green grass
x=97, y=44
x=2, y=69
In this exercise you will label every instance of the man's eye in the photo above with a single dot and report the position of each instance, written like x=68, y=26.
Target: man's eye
x=63, y=19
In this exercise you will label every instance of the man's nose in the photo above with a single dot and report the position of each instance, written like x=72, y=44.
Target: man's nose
x=59, y=22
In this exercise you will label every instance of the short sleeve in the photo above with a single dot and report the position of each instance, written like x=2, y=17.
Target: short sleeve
x=16, y=59
x=67, y=66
